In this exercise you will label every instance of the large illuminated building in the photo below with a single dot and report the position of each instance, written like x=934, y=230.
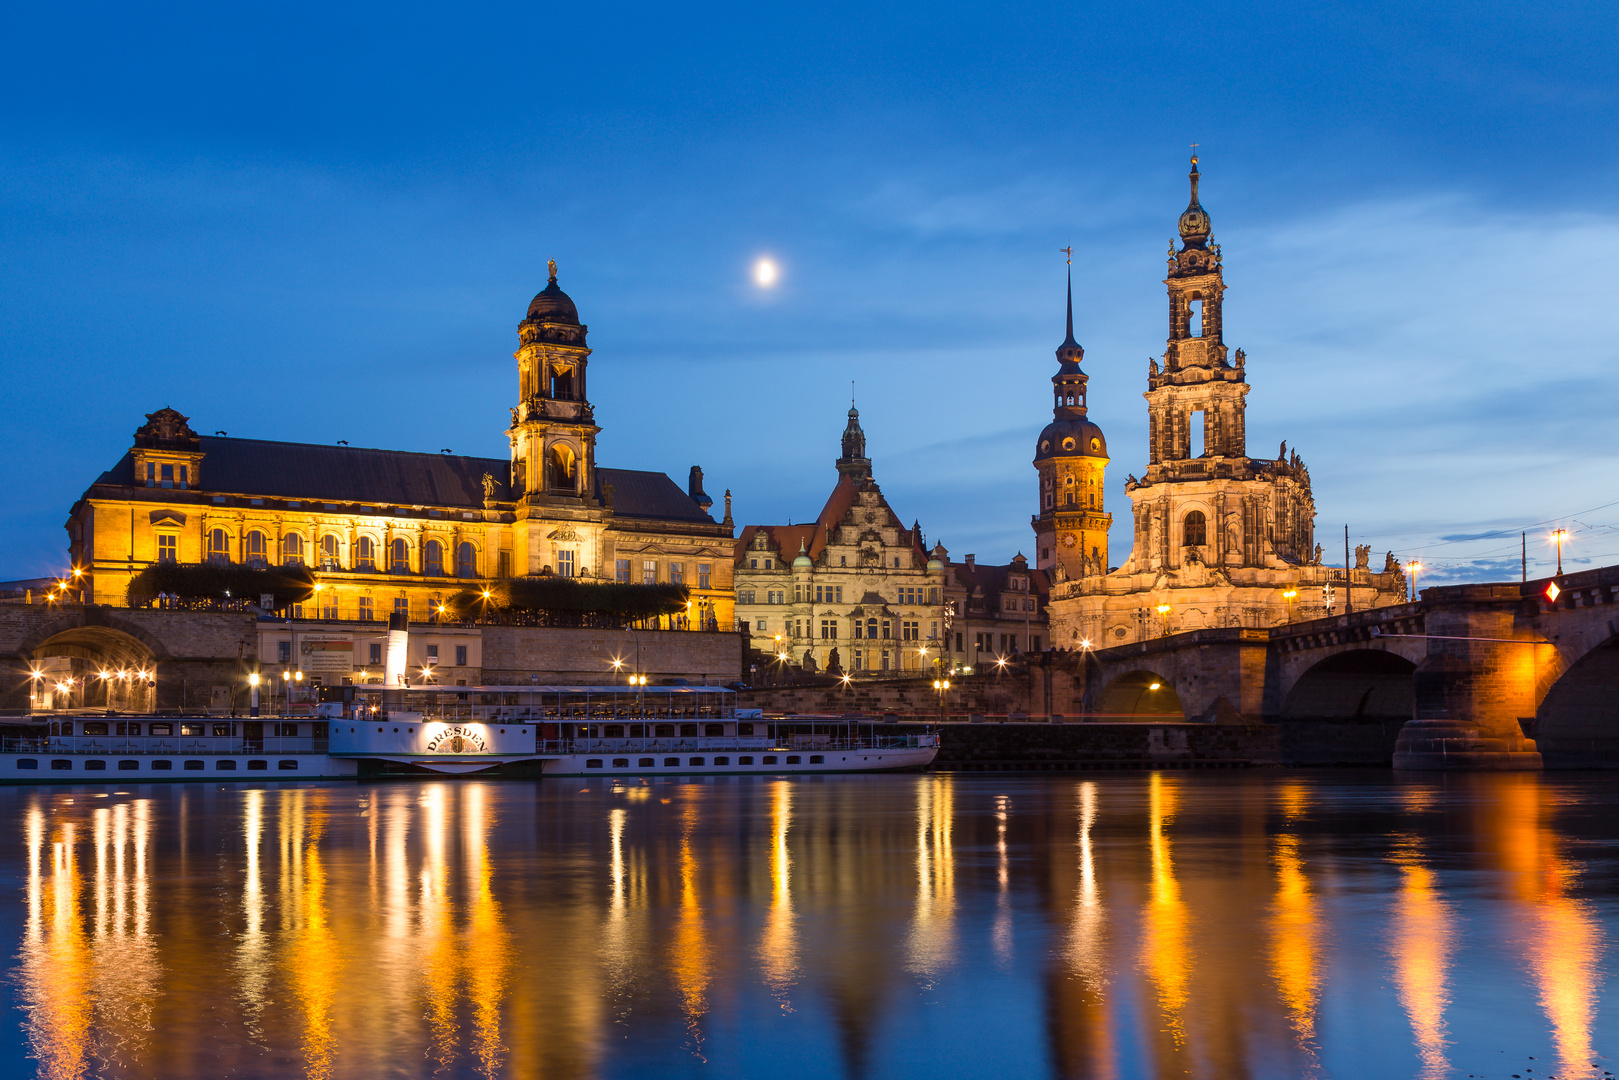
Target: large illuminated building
x=1221, y=539
x=853, y=590
x=391, y=531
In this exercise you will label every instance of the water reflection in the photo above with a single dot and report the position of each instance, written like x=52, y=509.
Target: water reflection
x=1162, y=925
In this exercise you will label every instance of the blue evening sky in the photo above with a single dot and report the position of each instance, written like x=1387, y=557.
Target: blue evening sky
x=323, y=222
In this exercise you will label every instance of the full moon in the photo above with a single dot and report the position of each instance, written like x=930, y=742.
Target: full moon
x=765, y=273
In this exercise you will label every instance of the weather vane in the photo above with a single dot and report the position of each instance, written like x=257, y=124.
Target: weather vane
x=1068, y=251
x=1194, y=152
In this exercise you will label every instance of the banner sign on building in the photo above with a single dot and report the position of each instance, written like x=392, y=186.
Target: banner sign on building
x=331, y=655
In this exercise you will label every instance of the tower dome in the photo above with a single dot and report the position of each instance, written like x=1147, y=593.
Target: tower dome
x=1194, y=223
x=552, y=304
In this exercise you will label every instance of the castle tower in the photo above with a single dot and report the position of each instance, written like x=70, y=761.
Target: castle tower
x=553, y=432
x=854, y=463
x=1071, y=460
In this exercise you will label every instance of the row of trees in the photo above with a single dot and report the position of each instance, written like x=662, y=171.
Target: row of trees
x=550, y=601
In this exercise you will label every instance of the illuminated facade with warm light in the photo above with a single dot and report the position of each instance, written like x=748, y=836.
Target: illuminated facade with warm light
x=390, y=531
x=853, y=590
x=1221, y=539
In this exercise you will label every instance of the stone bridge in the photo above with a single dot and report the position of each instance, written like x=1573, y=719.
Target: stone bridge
x=1471, y=676
x=187, y=654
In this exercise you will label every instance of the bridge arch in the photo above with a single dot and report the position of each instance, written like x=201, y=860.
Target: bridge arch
x=92, y=662
x=1577, y=721
x=1349, y=707
x=1141, y=693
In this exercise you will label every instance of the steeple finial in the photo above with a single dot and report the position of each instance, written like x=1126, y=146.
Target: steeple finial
x=1194, y=222
x=1069, y=352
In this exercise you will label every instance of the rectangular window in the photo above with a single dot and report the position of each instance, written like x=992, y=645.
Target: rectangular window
x=839, y=598
x=167, y=474
x=759, y=625
x=859, y=630
x=819, y=598
x=328, y=604
x=374, y=651
x=885, y=659
x=151, y=473
x=933, y=595
x=753, y=564
x=886, y=630
x=297, y=611
x=402, y=606
x=1034, y=643
x=768, y=564
x=911, y=630
x=365, y=608
x=503, y=565
x=283, y=652
x=460, y=656
x=621, y=569
x=859, y=659
x=705, y=573
x=829, y=629
x=432, y=653
x=958, y=644
x=649, y=571
x=168, y=549
x=564, y=563
x=677, y=573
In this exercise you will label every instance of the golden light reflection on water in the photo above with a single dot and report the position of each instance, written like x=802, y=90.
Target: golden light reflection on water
x=1296, y=932
x=1420, y=941
x=1560, y=937
x=477, y=929
x=1166, y=949
x=778, y=946
x=931, y=942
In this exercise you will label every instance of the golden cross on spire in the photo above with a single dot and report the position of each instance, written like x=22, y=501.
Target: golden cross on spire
x=1194, y=153
x=1068, y=251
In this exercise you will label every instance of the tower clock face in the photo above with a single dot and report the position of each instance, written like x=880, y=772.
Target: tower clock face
x=1067, y=540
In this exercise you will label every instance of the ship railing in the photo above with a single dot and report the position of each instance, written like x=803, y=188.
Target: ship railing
x=716, y=744
x=186, y=744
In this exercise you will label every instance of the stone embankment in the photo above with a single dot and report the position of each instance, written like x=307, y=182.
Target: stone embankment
x=1045, y=747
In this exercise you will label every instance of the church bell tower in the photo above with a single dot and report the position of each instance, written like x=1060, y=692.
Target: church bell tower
x=553, y=432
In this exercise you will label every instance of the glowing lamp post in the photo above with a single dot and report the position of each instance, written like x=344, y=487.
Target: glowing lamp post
x=1290, y=595
x=1559, y=537
x=1163, y=612
x=253, y=701
x=1411, y=568
x=941, y=687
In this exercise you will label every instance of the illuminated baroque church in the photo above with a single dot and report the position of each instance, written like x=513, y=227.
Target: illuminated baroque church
x=391, y=531
x=1220, y=538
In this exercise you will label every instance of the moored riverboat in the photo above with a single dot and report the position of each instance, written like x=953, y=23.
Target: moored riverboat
x=536, y=731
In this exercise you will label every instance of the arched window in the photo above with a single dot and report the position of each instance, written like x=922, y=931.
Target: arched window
x=871, y=628
x=218, y=546
x=292, y=549
x=1196, y=530
x=466, y=560
x=560, y=467
x=365, y=554
x=255, y=549
x=400, y=561
x=1194, y=317
x=433, y=559
x=328, y=552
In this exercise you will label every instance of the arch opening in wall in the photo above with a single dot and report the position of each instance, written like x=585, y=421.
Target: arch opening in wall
x=399, y=556
x=466, y=560
x=292, y=549
x=103, y=667
x=1349, y=708
x=329, y=559
x=1577, y=723
x=256, y=553
x=1142, y=695
x=433, y=559
x=1194, y=316
x=561, y=469
x=365, y=554
x=218, y=546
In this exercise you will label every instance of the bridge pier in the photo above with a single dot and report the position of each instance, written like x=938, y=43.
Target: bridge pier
x=1475, y=683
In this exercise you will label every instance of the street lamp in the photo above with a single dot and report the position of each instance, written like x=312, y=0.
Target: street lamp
x=1558, y=537
x=940, y=686
x=1290, y=595
x=253, y=702
x=1412, y=567
x=1163, y=612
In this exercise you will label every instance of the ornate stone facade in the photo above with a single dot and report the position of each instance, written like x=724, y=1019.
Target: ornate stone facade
x=854, y=590
x=1220, y=538
x=392, y=531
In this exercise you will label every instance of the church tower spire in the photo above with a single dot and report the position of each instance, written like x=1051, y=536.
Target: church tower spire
x=854, y=462
x=553, y=432
x=1071, y=460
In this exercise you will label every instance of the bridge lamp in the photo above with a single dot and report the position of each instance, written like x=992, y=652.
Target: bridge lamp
x=1290, y=595
x=1413, y=566
x=1559, y=537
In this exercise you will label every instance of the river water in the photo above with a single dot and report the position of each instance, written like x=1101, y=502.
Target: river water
x=1266, y=923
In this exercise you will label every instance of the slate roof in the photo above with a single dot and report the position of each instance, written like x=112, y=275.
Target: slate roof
x=353, y=474
x=992, y=580
x=787, y=538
